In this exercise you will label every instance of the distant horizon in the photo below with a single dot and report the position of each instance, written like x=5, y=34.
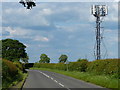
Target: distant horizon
x=59, y=28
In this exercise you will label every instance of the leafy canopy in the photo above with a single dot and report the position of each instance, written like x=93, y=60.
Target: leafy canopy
x=13, y=50
x=63, y=58
x=44, y=59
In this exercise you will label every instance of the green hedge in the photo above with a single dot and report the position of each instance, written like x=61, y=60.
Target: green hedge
x=18, y=65
x=10, y=73
x=72, y=66
x=8, y=69
x=78, y=66
x=106, y=66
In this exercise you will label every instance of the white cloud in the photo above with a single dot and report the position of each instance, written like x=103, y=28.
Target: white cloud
x=20, y=11
x=43, y=45
x=111, y=37
x=47, y=11
x=41, y=38
x=16, y=32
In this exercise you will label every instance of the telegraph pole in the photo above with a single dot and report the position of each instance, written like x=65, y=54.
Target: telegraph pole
x=98, y=11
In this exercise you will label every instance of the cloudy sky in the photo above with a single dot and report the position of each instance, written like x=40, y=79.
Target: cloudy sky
x=56, y=28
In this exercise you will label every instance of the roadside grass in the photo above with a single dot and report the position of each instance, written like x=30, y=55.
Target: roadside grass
x=19, y=84
x=102, y=80
x=16, y=83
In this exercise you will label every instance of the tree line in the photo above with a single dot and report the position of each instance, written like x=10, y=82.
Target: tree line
x=14, y=51
x=62, y=59
x=45, y=59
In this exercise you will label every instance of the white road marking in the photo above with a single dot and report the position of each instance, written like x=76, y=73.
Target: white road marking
x=53, y=80
x=61, y=84
x=56, y=81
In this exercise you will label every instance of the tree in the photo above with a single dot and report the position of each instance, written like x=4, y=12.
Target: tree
x=44, y=58
x=25, y=59
x=13, y=50
x=63, y=58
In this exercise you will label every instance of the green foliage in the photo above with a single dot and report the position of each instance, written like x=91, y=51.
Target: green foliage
x=59, y=66
x=78, y=66
x=107, y=66
x=8, y=70
x=44, y=65
x=44, y=58
x=11, y=73
x=13, y=50
x=81, y=60
x=63, y=58
x=25, y=59
x=18, y=65
x=72, y=66
x=98, y=67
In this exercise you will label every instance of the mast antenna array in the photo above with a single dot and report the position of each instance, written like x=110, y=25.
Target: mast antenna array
x=99, y=11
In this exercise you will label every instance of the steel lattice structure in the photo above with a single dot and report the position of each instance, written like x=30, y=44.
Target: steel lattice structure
x=98, y=11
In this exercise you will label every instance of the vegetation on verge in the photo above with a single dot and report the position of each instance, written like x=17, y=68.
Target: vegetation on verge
x=8, y=70
x=99, y=67
x=13, y=70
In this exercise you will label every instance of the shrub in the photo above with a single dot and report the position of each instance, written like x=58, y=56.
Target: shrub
x=18, y=65
x=11, y=73
x=60, y=66
x=73, y=66
x=107, y=66
x=8, y=68
x=78, y=66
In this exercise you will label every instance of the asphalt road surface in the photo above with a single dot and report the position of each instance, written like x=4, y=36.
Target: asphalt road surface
x=45, y=79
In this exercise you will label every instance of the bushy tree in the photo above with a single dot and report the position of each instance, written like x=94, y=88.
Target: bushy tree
x=44, y=59
x=25, y=59
x=13, y=50
x=63, y=58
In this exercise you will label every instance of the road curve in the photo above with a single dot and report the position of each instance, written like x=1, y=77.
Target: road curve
x=45, y=79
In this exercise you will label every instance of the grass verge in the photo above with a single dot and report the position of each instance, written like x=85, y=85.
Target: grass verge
x=102, y=80
x=19, y=84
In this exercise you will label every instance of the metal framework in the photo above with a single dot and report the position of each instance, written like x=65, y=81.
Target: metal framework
x=98, y=11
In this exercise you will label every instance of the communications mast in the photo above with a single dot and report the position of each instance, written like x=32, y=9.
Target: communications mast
x=99, y=11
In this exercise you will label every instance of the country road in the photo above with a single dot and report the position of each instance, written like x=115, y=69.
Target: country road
x=46, y=79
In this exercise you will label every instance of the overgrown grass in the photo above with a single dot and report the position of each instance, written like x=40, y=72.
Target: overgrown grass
x=16, y=82
x=12, y=74
x=19, y=84
x=102, y=80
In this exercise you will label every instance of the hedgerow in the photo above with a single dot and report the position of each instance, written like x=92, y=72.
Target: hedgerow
x=10, y=73
x=18, y=65
x=106, y=66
